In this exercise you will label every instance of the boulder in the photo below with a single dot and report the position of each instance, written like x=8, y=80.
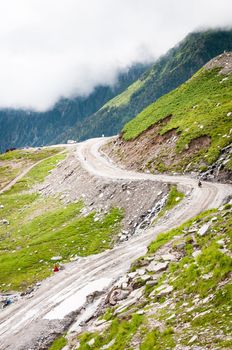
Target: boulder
x=146, y=277
x=168, y=257
x=132, y=274
x=122, y=282
x=166, y=289
x=151, y=283
x=180, y=246
x=193, y=339
x=203, y=230
x=155, y=266
x=221, y=242
x=116, y=295
x=141, y=272
x=124, y=285
x=91, y=342
x=135, y=295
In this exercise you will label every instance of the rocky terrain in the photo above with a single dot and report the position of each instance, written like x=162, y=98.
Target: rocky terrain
x=65, y=301
x=70, y=182
x=95, y=220
x=177, y=296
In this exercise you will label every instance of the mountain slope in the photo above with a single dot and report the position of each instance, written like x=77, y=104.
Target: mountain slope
x=186, y=129
x=178, y=295
x=107, y=109
x=171, y=70
x=21, y=128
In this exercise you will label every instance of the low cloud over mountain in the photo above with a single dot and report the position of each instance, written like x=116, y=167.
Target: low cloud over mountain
x=55, y=48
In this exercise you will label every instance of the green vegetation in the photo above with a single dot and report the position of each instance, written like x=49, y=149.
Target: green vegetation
x=40, y=228
x=156, y=340
x=167, y=73
x=198, y=310
x=32, y=154
x=198, y=108
x=28, y=243
x=58, y=344
x=13, y=162
x=120, y=332
x=174, y=198
x=7, y=173
x=125, y=96
x=37, y=174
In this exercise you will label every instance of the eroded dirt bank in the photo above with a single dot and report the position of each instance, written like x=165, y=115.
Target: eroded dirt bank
x=155, y=153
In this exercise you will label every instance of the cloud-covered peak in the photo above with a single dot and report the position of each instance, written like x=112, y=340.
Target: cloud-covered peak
x=61, y=48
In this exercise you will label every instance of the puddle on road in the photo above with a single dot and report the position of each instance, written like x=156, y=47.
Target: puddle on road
x=78, y=299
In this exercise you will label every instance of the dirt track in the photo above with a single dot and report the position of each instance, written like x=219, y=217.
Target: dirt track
x=29, y=323
x=24, y=172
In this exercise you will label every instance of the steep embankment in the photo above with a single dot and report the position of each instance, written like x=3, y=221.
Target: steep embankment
x=187, y=130
x=171, y=70
x=177, y=296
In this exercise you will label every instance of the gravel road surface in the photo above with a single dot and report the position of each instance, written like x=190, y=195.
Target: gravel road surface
x=32, y=323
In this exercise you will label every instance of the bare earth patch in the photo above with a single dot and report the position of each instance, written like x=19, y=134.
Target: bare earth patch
x=70, y=182
x=154, y=152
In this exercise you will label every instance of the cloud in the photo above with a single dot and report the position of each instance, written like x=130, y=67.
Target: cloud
x=62, y=48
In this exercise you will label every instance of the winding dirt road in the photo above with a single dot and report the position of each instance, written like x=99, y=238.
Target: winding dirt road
x=28, y=323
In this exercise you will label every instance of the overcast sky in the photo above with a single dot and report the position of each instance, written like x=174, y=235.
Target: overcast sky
x=54, y=48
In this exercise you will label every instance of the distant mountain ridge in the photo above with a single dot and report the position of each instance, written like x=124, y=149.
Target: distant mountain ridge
x=107, y=109
x=21, y=128
x=171, y=70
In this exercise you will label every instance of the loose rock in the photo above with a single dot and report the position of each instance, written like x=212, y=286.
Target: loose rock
x=157, y=267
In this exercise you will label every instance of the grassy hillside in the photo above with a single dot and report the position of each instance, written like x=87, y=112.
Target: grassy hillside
x=125, y=96
x=167, y=73
x=189, y=125
x=198, y=107
x=187, y=305
x=33, y=228
x=12, y=163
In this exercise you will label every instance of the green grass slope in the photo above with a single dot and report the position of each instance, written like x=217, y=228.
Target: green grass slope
x=195, y=313
x=33, y=228
x=200, y=110
x=14, y=162
x=171, y=70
